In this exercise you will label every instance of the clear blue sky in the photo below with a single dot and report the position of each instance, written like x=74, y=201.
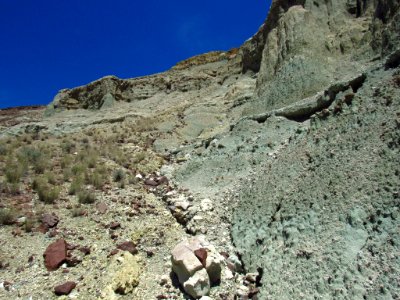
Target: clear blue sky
x=47, y=45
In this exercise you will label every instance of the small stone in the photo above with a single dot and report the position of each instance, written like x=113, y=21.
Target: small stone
x=102, y=208
x=114, y=225
x=128, y=246
x=150, y=182
x=164, y=280
x=65, y=288
x=73, y=261
x=206, y=298
x=251, y=277
x=55, y=255
x=50, y=220
x=206, y=205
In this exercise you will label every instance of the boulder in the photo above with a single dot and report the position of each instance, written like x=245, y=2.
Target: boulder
x=214, y=266
x=197, y=265
x=184, y=262
x=55, y=255
x=198, y=285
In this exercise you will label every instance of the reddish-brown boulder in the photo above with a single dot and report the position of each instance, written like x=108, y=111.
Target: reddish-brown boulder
x=65, y=288
x=55, y=255
x=128, y=246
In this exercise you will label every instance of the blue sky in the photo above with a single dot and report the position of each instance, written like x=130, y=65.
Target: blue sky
x=48, y=45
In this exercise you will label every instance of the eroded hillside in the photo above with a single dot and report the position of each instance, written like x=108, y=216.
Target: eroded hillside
x=283, y=153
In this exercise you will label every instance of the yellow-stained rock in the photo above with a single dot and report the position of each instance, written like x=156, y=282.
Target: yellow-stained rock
x=124, y=275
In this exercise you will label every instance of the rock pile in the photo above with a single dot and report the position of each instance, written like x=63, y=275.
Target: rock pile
x=197, y=265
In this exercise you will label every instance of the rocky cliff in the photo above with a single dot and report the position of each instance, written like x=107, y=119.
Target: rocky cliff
x=288, y=147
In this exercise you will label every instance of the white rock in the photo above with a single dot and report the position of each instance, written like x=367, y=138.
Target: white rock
x=182, y=204
x=206, y=298
x=198, y=285
x=184, y=262
x=198, y=218
x=206, y=205
x=214, y=265
x=139, y=176
x=228, y=274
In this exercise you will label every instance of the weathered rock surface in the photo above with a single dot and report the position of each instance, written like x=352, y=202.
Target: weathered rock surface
x=198, y=285
x=124, y=275
x=197, y=265
x=55, y=255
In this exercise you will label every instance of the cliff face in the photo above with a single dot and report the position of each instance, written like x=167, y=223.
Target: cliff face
x=305, y=45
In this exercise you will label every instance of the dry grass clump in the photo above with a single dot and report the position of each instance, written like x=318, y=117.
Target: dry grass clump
x=86, y=197
x=7, y=216
x=47, y=193
x=97, y=177
x=145, y=124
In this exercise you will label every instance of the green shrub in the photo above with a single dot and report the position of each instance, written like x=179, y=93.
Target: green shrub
x=77, y=212
x=67, y=146
x=14, y=171
x=40, y=166
x=119, y=175
x=76, y=185
x=86, y=197
x=13, y=188
x=7, y=216
x=3, y=150
x=46, y=193
x=66, y=161
x=29, y=224
x=138, y=157
x=78, y=169
x=51, y=178
x=95, y=179
x=35, y=157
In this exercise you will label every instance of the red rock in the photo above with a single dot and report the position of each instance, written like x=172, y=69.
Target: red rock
x=42, y=228
x=7, y=285
x=150, y=182
x=55, y=255
x=201, y=254
x=102, y=207
x=65, y=288
x=162, y=180
x=50, y=220
x=114, y=225
x=113, y=252
x=128, y=246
